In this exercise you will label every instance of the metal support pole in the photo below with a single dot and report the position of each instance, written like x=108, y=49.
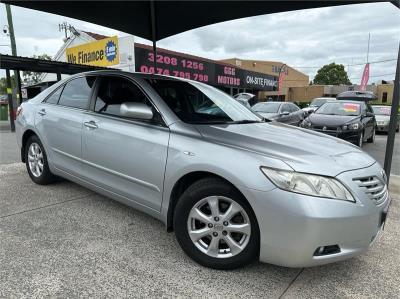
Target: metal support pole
x=13, y=44
x=393, y=119
x=58, y=76
x=19, y=88
x=154, y=33
x=10, y=101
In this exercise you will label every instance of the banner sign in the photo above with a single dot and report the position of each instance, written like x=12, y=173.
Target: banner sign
x=104, y=52
x=365, y=78
x=199, y=69
x=280, y=83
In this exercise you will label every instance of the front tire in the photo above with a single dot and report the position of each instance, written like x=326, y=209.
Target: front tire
x=372, y=138
x=215, y=225
x=36, y=162
x=360, y=140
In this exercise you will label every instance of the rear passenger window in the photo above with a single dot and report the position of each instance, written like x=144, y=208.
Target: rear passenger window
x=53, y=99
x=113, y=92
x=76, y=93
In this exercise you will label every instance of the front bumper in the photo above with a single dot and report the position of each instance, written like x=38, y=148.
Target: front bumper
x=293, y=226
x=382, y=127
x=348, y=135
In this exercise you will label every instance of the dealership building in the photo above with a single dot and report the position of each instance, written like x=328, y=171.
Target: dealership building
x=232, y=75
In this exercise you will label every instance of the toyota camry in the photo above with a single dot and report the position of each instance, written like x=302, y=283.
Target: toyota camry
x=232, y=186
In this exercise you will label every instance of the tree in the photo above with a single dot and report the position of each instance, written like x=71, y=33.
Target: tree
x=34, y=77
x=332, y=74
x=3, y=84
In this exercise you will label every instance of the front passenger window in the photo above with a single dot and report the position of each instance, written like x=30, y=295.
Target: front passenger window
x=285, y=108
x=113, y=92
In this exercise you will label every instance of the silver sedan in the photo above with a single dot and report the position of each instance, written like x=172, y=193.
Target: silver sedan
x=233, y=187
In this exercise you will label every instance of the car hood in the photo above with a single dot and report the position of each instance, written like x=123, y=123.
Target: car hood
x=382, y=117
x=303, y=150
x=330, y=120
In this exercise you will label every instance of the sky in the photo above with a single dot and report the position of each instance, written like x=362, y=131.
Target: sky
x=306, y=39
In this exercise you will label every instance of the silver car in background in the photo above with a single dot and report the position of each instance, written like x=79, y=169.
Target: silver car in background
x=233, y=187
x=283, y=112
x=382, y=116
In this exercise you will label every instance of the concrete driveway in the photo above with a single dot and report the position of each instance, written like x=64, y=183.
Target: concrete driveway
x=63, y=240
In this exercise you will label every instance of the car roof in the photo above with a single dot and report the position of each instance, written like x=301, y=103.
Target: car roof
x=325, y=98
x=345, y=101
x=131, y=74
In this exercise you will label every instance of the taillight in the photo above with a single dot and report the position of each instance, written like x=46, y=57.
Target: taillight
x=19, y=110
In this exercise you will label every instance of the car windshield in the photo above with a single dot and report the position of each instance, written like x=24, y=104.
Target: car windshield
x=266, y=107
x=340, y=108
x=197, y=103
x=381, y=110
x=318, y=102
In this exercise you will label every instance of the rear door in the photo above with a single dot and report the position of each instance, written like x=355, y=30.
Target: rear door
x=59, y=123
x=123, y=155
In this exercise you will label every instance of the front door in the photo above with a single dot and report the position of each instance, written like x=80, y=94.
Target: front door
x=125, y=156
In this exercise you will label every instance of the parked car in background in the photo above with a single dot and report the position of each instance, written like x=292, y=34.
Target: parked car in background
x=357, y=95
x=232, y=187
x=3, y=99
x=316, y=103
x=284, y=112
x=382, y=116
x=353, y=121
x=246, y=99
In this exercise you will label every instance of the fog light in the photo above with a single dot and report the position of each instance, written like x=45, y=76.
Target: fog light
x=326, y=250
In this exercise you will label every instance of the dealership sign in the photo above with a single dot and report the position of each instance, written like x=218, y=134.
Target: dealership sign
x=104, y=52
x=199, y=69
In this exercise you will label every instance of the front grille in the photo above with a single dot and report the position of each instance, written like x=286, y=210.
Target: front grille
x=374, y=188
x=333, y=131
x=325, y=128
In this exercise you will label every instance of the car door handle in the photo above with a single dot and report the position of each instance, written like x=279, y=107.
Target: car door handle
x=42, y=112
x=91, y=124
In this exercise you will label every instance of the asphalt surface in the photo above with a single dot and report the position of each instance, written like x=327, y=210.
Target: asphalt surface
x=63, y=240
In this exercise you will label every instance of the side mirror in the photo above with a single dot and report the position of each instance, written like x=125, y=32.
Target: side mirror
x=136, y=110
x=284, y=113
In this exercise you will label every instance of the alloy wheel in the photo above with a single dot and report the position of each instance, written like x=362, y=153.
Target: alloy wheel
x=219, y=227
x=35, y=159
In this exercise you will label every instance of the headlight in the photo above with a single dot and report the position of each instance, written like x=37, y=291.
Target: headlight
x=354, y=126
x=308, y=184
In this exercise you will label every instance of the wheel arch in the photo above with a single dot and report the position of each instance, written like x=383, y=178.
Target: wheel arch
x=183, y=183
x=27, y=134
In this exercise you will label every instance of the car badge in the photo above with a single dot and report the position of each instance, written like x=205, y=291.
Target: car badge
x=324, y=129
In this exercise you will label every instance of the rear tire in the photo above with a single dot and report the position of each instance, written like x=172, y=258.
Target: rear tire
x=222, y=210
x=36, y=162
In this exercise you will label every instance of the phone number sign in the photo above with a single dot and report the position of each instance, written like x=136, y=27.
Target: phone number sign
x=202, y=70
